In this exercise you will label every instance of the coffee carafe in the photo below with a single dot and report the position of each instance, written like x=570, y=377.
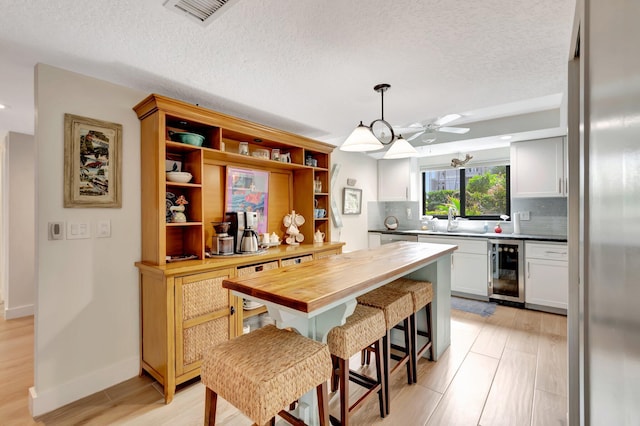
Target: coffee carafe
x=249, y=241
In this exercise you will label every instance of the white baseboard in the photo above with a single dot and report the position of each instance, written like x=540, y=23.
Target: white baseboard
x=19, y=312
x=44, y=401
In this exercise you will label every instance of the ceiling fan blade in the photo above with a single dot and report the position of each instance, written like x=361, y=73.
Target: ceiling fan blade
x=408, y=130
x=446, y=119
x=458, y=130
x=409, y=139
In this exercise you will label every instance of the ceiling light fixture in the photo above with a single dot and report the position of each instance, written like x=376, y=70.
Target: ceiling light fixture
x=378, y=134
x=2, y=106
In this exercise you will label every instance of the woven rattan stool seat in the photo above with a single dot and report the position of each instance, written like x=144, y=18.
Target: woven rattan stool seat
x=262, y=372
x=395, y=305
x=421, y=291
x=364, y=326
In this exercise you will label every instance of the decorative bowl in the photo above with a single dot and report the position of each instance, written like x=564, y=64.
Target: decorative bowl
x=186, y=137
x=180, y=177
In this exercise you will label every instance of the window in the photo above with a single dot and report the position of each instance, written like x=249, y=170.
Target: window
x=475, y=192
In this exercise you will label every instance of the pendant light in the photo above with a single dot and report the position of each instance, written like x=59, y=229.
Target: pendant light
x=378, y=134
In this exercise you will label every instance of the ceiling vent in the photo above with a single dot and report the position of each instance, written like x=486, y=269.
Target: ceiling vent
x=202, y=11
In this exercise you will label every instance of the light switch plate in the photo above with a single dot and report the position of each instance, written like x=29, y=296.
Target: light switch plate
x=525, y=216
x=78, y=230
x=103, y=229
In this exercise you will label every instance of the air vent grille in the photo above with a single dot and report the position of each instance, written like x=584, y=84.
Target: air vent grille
x=201, y=11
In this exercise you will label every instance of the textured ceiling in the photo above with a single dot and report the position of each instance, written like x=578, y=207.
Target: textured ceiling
x=302, y=65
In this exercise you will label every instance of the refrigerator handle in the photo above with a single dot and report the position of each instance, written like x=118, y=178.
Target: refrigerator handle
x=528, y=269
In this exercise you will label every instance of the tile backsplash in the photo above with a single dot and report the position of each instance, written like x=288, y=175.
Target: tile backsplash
x=548, y=216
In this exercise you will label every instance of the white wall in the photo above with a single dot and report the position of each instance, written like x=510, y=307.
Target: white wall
x=20, y=208
x=365, y=170
x=4, y=239
x=87, y=298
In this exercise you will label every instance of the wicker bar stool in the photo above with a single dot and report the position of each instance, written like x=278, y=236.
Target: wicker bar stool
x=422, y=296
x=365, y=327
x=262, y=372
x=397, y=307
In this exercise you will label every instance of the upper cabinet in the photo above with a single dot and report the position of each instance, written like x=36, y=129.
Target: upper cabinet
x=398, y=180
x=538, y=168
x=298, y=169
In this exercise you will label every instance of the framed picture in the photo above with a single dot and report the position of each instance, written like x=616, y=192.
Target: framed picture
x=92, y=162
x=248, y=191
x=352, y=201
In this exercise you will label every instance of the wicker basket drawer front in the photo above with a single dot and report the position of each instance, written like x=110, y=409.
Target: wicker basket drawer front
x=297, y=260
x=203, y=297
x=246, y=270
x=198, y=338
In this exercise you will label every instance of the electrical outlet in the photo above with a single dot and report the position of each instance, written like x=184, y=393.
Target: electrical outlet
x=409, y=213
x=525, y=216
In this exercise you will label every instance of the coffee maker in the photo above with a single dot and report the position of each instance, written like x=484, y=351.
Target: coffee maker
x=222, y=242
x=243, y=229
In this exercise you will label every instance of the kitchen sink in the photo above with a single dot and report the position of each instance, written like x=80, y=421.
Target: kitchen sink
x=454, y=231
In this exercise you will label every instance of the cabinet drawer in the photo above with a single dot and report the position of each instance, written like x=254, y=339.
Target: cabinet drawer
x=297, y=260
x=465, y=245
x=546, y=251
x=327, y=253
x=250, y=269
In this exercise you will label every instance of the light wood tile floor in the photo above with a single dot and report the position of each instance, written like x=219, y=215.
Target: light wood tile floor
x=506, y=369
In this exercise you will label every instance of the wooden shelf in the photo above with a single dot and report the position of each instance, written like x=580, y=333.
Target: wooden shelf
x=248, y=313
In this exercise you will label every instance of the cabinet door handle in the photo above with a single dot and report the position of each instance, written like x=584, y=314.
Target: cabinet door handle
x=560, y=186
x=528, y=269
x=406, y=193
x=259, y=268
x=232, y=310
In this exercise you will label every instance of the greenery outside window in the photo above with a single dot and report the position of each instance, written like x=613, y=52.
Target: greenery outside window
x=475, y=192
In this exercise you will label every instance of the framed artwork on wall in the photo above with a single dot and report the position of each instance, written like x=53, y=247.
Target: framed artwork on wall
x=248, y=191
x=352, y=201
x=92, y=162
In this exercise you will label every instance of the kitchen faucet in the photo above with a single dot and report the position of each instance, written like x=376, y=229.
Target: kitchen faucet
x=452, y=223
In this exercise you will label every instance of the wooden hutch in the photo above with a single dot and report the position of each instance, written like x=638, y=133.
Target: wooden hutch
x=184, y=308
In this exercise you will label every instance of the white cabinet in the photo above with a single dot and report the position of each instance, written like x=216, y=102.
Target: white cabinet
x=398, y=180
x=538, y=168
x=469, y=264
x=546, y=276
x=374, y=240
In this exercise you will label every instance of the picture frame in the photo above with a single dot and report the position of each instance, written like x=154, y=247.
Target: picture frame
x=92, y=163
x=352, y=201
x=248, y=190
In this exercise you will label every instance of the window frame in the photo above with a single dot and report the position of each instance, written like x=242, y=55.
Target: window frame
x=463, y=192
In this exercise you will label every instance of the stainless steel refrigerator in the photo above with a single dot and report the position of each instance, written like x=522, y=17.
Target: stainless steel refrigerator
x=604, y=214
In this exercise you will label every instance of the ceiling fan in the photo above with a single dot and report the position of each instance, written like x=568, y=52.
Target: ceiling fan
x=428, y=130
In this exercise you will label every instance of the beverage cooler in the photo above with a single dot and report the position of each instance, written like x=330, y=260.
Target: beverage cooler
x=507, y=271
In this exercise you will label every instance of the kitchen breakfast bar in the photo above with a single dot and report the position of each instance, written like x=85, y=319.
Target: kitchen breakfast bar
x=316, y=296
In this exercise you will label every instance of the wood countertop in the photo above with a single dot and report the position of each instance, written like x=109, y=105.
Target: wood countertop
x=313, y=285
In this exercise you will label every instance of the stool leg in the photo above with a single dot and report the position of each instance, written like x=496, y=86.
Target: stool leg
x=409, y=348
x=386, y=354
x=381, y=377
x=335, y=377
x=414, y=346
x=210, y=403
x=429, y=329
x=323, y=403
x=344, y=391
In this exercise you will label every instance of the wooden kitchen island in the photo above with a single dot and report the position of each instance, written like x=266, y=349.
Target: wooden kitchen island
x=316, y=296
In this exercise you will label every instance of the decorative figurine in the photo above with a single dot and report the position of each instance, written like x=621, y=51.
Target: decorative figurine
x=178, y=211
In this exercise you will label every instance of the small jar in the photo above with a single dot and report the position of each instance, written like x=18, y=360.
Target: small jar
x=243, y=148
x=275, y=154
